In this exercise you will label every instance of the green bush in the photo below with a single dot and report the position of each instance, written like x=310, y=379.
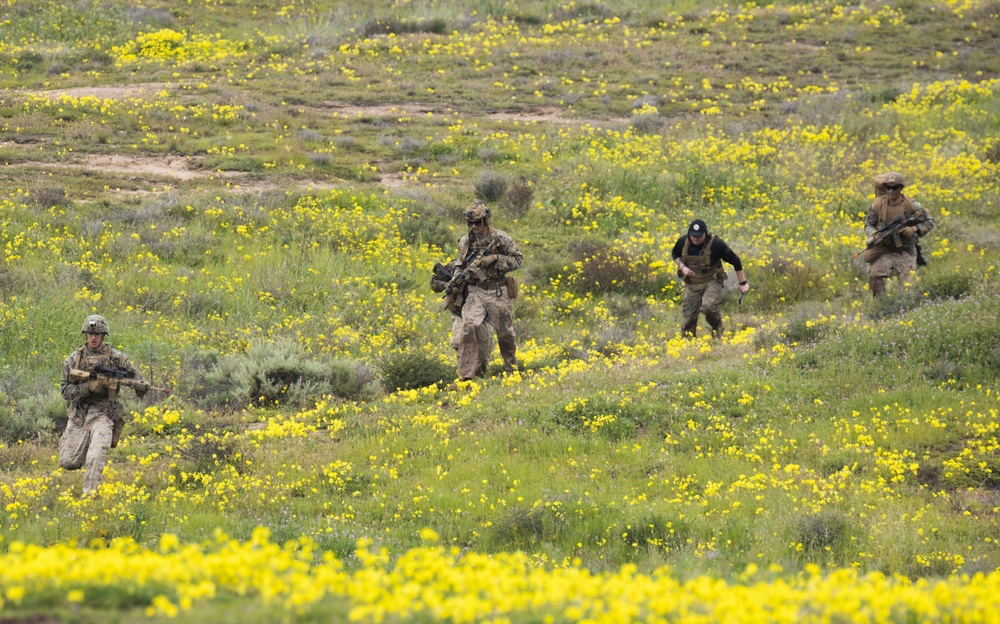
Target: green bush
x=951, y=285
x=490, y=186
x=414, y=369
x=520, y=529
x=277, y=373
x=821, y=531
x=31, y=416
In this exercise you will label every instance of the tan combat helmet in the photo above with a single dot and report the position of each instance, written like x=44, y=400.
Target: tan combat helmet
x=95, y=324
x=893, y=178
x=477, y=211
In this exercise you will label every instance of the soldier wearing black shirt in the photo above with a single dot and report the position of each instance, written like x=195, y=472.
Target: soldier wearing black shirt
x=699, y=256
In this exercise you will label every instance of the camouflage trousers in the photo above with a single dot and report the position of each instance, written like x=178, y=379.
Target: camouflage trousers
x=900, y=264
x=703, y=298
x=484, y=340
x=480, y=303
x=85, y=444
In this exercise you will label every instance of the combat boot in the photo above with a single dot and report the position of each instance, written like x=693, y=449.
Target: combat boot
x=877, y=286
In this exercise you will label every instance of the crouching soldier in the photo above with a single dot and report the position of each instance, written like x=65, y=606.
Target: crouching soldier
x=94, y=415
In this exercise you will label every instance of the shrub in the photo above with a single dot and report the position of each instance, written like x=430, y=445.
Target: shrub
x=950, y=285
x=518, y=198
x=50, y=196
x=320, y=159
x=488, y=154
x=490, y=186
x=308, y=136
x=32, y=416
x=519, y=529
x=414, y=369
x=818, y=532
x=647, y=124
x=276, y=373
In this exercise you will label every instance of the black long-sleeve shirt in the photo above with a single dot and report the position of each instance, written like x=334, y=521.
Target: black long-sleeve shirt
x=719, y=250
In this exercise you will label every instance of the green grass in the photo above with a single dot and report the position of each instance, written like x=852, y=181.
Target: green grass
x=291, y=201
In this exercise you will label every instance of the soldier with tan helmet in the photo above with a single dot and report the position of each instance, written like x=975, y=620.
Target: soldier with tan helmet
x=484, y=333
x=93, y=415
x=486, y=256
x=699, y=255
x=894, y=255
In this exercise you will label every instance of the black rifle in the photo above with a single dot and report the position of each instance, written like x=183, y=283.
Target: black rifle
x=113, y=378
x=442, y=272
x=890, y=231
x=442, y=275
x=461, y=277
x=114, y=372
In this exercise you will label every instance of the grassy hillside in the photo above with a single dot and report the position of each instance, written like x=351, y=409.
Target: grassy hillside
x=254, y=193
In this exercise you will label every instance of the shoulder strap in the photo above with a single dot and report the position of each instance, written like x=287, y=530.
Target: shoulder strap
x=910, y=209
x=78, y=356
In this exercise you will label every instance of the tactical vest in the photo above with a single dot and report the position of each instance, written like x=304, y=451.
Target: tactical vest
x=886, y=212
x=469, y=249
x=90, y=362
x=109, y=357
x=701, y=264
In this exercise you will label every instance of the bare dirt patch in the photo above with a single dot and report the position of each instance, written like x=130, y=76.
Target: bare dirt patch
x=545, y=114
x=176, y=167
x=110, y=92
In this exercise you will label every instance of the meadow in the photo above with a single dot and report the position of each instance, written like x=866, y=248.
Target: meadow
x=255, y=193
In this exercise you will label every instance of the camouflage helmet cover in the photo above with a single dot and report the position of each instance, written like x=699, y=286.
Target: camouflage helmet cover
x=477, y=211
x=95, y=324
x=892, y=178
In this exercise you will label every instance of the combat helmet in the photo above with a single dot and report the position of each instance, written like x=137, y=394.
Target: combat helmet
x=893, y=178
x=95, y=324
x=477, y=211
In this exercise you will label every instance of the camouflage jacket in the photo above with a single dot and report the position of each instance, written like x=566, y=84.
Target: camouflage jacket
x=495, y=242
x=85, y=359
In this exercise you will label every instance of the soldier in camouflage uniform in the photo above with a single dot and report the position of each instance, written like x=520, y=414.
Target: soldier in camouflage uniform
x=484, y=332
x=91, y=414
x=488, y=255
x=699, y=256
x=894, y=256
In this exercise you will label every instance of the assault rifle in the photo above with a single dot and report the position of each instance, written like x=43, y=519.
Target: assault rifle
x=113, y=378
x=890, y=231
x=461, y=277
x=442, y=274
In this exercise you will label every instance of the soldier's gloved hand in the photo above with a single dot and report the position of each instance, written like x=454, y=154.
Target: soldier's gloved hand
x=909, y=231
x=489, y=260
x=96, y=387
x=141, y=389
